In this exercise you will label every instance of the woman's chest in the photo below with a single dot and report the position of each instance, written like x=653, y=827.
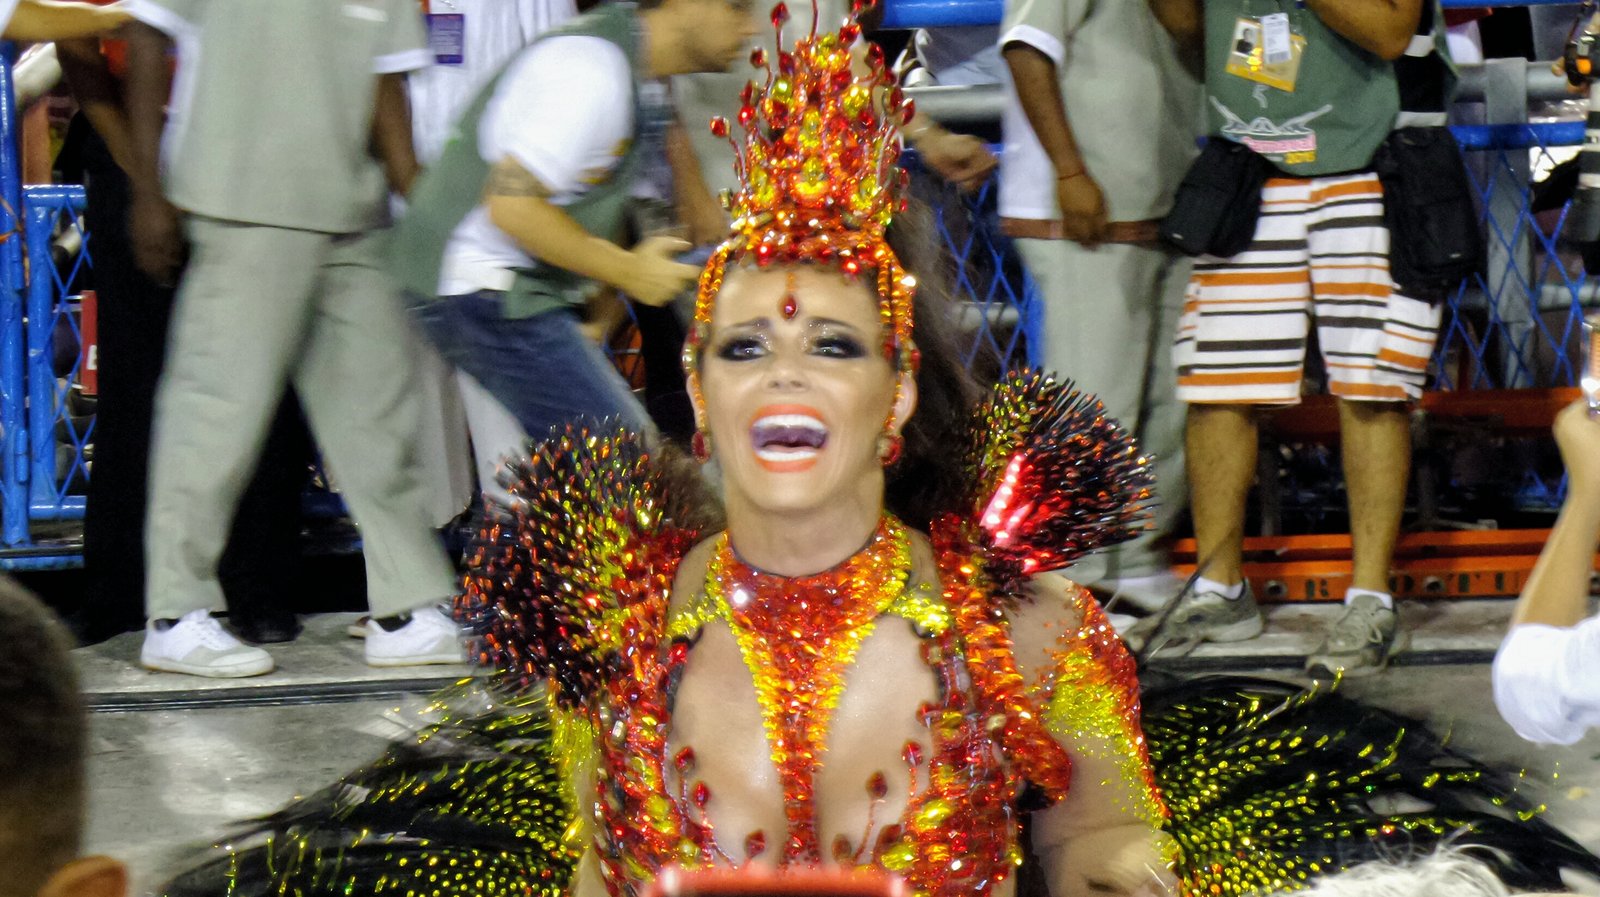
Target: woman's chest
x=898, y=721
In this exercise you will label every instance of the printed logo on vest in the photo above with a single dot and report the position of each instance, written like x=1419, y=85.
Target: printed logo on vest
x=1293, y=141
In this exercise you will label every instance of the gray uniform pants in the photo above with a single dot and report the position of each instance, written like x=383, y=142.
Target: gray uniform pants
x=1110, y=316
x=260, y=308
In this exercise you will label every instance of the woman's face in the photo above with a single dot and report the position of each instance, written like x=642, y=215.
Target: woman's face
x=797, y=389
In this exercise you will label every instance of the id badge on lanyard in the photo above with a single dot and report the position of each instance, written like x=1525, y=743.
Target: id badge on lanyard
x=447, y=31
x=1267, y=48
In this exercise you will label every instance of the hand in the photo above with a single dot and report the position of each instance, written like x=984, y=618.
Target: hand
x=961, y=159
x=155, y=226
x=655, y=278
x=1578, y=437
x=1083, y=209
x=1120, y=860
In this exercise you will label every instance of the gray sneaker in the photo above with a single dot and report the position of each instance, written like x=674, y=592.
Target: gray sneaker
x=1197, y=617
x=1359, y=643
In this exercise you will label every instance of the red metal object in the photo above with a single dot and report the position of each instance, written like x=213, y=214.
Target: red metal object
x=1446, y=564
x=1514, y=412
x=89, y=343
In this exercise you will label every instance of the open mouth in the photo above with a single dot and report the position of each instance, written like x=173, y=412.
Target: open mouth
x=788, y=438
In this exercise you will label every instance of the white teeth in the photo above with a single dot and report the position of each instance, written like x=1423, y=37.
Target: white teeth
x=792, y=420
x=786, y=454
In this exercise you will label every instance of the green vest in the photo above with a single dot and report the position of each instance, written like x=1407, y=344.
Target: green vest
x=1342, y=107
x=453, y=186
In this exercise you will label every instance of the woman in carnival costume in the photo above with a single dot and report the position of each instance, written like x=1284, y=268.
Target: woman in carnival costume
x=861, y=665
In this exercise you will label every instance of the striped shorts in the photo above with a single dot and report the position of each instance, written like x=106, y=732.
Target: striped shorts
x=1320, y=252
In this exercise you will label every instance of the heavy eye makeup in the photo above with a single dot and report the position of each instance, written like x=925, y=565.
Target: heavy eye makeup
x=833, y=343
x=823, y=338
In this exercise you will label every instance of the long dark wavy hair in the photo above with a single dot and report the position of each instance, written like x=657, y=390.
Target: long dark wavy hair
x=928, y=480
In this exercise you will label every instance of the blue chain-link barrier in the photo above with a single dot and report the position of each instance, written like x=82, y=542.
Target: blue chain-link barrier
x=1516, y=325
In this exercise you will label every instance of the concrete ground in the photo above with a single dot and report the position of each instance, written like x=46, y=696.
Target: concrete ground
x=175, y=758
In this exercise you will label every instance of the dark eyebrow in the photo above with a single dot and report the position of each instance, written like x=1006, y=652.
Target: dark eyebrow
x=752, y=324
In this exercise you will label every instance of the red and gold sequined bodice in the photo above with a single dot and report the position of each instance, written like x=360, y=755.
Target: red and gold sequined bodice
x=798, y=637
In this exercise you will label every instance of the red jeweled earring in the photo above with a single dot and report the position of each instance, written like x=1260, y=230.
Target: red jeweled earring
x=890, y=448
x=700, y=445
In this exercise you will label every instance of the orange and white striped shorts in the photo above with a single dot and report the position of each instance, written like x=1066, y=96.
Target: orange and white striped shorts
x=1321, y=251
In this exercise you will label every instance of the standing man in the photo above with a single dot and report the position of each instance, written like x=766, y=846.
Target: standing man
x=512, y=231
x=269, y=155
x=1099, y=127
x=1317, y=108
x=491, y=32
x=258, y=569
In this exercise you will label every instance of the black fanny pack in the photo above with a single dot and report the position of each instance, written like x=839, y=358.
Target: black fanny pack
x=1434, y=238
x=1218, y=201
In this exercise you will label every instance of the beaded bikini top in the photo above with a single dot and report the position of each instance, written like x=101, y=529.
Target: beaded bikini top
x=584, y=608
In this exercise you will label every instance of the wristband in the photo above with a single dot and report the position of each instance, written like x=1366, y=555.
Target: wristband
x=1076, y=174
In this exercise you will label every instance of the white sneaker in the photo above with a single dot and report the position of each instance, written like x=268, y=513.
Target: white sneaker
x=428, y=637
x=199, y=646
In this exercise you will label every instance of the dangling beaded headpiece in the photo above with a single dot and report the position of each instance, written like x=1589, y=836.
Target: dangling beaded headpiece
x=817, y=175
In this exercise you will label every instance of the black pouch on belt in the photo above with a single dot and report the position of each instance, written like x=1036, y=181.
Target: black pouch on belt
x=1434, y=239
x=1218, y=201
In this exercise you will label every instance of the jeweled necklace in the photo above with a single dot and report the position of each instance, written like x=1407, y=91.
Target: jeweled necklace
x=798, y=636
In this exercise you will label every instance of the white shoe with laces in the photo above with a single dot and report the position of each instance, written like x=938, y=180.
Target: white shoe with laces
x=428, y=637
x=196, y=644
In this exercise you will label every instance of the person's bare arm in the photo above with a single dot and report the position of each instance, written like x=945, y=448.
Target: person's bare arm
x=1083, y=206
x=520, y=205
x=1185, y=20
x=48, y=20
x=392, y=144
x=1382, y=27
x=1557, y=591
x=697, y=208
x=153, y=222
x=1097, y=841
x=97, y=95
x=961, y=159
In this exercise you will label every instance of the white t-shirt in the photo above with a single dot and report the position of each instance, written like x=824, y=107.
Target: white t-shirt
x=495, y=31
x=1547, y=681
x=8, y=8
x=563, y=111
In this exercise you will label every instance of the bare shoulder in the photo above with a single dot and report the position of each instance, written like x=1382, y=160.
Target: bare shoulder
x=691, y=575
x=1054, y=609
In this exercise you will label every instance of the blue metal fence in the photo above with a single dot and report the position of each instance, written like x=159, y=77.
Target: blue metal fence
x=13, y=381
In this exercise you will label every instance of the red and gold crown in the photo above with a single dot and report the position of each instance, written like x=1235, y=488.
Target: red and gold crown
x=818, y=180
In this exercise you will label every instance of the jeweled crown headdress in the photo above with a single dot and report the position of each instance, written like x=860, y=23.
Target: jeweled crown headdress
x=818, y=180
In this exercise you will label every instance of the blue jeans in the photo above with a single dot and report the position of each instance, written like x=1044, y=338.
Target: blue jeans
x=543, y=369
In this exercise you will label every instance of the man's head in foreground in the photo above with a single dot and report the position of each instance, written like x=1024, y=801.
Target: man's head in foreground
x=42, y=736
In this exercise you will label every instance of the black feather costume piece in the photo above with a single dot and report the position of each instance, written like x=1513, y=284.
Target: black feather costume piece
x=1270, y=785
